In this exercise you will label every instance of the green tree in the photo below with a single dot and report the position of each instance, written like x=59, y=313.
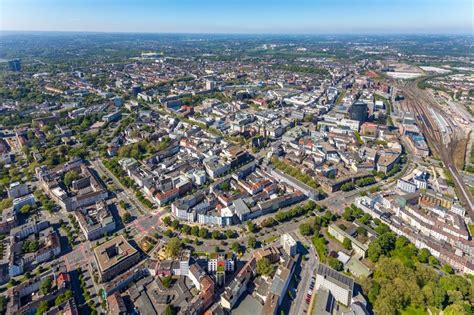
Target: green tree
x=264, y=267
x=423, y=255
x=306, y=229
x=169, y=310
x=70, y=176
x=347, y=244
x=167, y=221
x=252, y=242
x=195, y=231
x=126, y=217
x=204, y=233
x=236, y=247
x=173, y=247
x=6, y=203
x=166, y=281
x=46, y=285
x=175, y=224
x=3, y=304
x=335, y=264
x=215, y=234
x=456, y=309
x=43, y=307
x=30, y=246
x=25, y=209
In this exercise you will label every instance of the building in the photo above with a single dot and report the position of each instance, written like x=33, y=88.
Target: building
x=114, y=257
x=8, y=220
x=221, y=264
x=85, y=191
x=325, y=303
x=95, y=221
x=289, y=244
x=359, y=248
x=14, y=65
x=339, y=285
x=237, y=287
x=116, y=305
x=406, y=186
x=16, y=190
x=359, y=111
x=18, y=203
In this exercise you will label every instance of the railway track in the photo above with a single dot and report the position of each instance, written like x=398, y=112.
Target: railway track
x=443, y=144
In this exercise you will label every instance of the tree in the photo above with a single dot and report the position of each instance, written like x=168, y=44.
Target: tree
x=63, y=297
x=455, y=309
x=173, y=247
x=25, y=209
x=126, y=217
x=361, y=231
x=6, y=203
x=347, y=214
x=306, y=229
x=69, y=177
x=186, y=229
x=195, y=231
x=167, y=221
x=252, y=242
x=335, y=264
x=215, y=234
x=448, y=269
x=251, y=227
x=122, y=204
x=230, y=233
x=236, y=247
x=46, y=285
x=166, y=281
x=169, y=310
x=43, y=307
x=204, y=233
x=264, y=267
x=175, y=224
x=375, y=251
x=3, y=304
x=346, y=243
x=30, y=246
x=433, y=261
x=423, y=255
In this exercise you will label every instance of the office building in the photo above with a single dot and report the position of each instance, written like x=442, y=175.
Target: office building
x=289, y=244
x=14, y=65
x=359, y=111
x=115, y=256
x=340, y=286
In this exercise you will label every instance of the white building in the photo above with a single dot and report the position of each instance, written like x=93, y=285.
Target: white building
x=289, y=244
x=340, y=286
x=405, y=186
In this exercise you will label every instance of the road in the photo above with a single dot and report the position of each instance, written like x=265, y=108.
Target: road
x=127, y=194
x=298, y=305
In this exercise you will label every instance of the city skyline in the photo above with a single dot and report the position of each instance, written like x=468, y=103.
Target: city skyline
x=242, y=17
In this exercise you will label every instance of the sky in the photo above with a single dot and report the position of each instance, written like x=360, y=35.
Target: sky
x=240, y=16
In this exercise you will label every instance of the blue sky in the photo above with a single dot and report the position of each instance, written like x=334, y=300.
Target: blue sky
x=240, y=16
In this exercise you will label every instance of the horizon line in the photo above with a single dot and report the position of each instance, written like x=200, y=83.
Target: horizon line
x=471, y=34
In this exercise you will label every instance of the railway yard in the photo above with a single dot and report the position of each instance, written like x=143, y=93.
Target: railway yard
x=446, y=137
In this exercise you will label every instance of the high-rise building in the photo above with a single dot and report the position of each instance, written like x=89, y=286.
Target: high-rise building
x=210, y=85
x=289, y=244
x=135, y=90
x=359, y=111
x=15, y=65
